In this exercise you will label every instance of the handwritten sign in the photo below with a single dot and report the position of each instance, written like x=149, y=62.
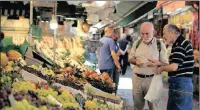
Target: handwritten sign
x=92, y=45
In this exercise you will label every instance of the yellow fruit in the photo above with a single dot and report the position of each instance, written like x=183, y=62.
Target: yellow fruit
x=4, y=60
x=33, y=85
x=8, y=68
x=13, y=55
x=69, y=69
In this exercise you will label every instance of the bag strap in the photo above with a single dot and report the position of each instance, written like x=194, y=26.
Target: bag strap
x=138, y=43
x=158, y=45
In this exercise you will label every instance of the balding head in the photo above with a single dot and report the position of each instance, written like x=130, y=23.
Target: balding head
x=170, y=33
x=148, y=25
x=147, y=30
x=108, y=31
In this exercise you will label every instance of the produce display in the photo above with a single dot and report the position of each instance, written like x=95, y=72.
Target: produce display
x=4, y=60
x=102, y=82
x=69, y=86
x=63, y=55
x=13, y=55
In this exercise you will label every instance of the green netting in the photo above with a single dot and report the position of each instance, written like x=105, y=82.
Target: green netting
x=7, y=45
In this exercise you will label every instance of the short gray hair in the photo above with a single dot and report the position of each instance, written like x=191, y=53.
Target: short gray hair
x=172, y=27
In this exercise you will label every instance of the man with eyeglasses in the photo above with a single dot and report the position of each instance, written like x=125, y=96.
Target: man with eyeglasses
x=180, y=69
x=146, y=55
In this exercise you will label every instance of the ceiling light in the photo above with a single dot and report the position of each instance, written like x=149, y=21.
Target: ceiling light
x=178, y=9
x=71, y=18
x=53, y=23
x=169, y=13
x=100, y=3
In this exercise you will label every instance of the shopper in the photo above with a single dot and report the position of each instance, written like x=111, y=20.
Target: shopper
x=144, y=55
x=107, y=57
x=179, y=70
x=116, y=73
x=123, y=59
x=1, y=39
x=195, y=77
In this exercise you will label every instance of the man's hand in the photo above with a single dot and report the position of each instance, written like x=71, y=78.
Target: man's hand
x=139, y=63
x=118, y=68
x=158, y=71
x=119, y=53
x=154, y=63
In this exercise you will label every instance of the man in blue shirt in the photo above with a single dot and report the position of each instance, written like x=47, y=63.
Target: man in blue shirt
x=107, y=57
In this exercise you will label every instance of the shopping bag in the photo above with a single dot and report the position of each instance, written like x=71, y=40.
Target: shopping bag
x=154, y=93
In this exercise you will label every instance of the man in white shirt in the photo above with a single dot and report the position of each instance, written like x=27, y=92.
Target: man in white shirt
x=146, y=55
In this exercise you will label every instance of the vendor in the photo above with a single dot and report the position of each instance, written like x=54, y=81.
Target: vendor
x=1, y=38
x=196, y=73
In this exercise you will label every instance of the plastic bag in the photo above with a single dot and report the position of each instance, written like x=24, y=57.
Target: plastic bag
x=154, y=93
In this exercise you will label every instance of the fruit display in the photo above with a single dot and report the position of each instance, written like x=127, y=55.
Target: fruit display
x=4, y=60
x=13, y=55
x=71, y=50
x=42, y=95
x=8, y=68
x=4, y=93
x=18, y=40
x=102, y=82
x=64, y=79
x=6, y=79
x=91, y=105
x=65, y=86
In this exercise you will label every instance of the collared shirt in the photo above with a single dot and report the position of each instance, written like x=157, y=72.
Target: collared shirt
x=182, y=54
x=144, y=52
x=105, y=59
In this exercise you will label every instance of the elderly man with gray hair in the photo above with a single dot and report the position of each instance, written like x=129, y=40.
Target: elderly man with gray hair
x=180, y=69
x=146, y=55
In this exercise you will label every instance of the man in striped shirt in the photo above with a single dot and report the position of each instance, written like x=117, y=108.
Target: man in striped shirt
x=180, y=69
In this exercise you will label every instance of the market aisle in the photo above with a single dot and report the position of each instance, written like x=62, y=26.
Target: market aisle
x=125, y=91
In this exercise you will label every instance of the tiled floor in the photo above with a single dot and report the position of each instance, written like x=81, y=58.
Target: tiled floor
x=125, y=91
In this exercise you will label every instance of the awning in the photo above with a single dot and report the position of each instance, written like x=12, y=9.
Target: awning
x=170, y=6
x=138, y=13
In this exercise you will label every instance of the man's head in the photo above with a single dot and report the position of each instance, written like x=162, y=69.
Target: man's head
x=108, y=31
x=170, y=33
x=115, y=35
x=146, y=31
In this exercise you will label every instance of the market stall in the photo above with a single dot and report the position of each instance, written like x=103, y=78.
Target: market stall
x=61, y=81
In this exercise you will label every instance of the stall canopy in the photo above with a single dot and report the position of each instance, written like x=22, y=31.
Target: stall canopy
x=170, y=6
x=138, y=13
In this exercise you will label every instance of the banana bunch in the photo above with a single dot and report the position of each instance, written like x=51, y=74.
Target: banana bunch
x=47, y=71
x=18, y=40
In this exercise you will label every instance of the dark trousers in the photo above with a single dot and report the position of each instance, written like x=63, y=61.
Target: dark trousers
x=123, y=60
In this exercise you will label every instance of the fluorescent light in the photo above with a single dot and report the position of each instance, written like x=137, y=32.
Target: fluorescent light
x=71, y=18
x=178, y=9
x=169, y=13
x=100, y=3
x=42, y=21
x=53, y=23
